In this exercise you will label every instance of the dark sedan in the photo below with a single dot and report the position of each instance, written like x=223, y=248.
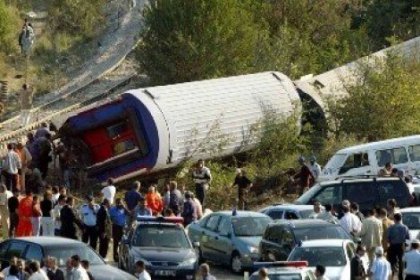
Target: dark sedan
x=37, y=248
x=163, y=246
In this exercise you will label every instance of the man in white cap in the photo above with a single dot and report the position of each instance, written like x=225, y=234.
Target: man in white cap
x=380, y=268
x=412, y=260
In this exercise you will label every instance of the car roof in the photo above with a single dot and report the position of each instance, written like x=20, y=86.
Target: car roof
x=287, y=270
x=303, y=223
x=241, y=214
x=409, y=210
x=289, y=206
x=49, y=240
x=395, y=142
x=358, y=179
x=324, y=243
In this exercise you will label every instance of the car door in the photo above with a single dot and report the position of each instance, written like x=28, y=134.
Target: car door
x=34, y=252
x=331, y=194
x=414, y=153
x=16, y=248
x=356, y=164
x=208, y=237
x=397, y=156
x=363, y=193
x=223, y=246
x=3, y=250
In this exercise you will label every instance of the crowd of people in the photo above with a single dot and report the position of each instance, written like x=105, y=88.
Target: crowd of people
x=382, y=237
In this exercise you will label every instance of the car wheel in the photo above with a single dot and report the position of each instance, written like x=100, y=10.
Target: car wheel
x=236, y=263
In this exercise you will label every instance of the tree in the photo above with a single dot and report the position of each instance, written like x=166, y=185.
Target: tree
x=187, y=40
x=302, y=43
x=77, y=17
x=391, y=20
x=7, y=29
x=382, y=102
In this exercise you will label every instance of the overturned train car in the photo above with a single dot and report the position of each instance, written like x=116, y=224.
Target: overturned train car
x=155, y=128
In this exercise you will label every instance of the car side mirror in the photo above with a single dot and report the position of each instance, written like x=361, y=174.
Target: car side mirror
x=196, y=244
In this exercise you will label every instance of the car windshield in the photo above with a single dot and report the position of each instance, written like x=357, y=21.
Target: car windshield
x=305, y=213
x=335, y=162
x=326, y=256
x=160, y=236
x=250, y=226
x=63, y=253
x=411, y=220
x=283, y=276
x=321, y=232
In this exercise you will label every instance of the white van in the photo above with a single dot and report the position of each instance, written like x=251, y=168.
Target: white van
x=368, y=159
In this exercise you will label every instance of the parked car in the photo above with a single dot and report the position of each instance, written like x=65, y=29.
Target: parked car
x=37, y=248
x=281, y=237
x=288, y=211
x=367, y=159
x=334, y=254
x=411, y=218
x=367, y=192
x=286, y=271
x=230, y=238
x=164, y=247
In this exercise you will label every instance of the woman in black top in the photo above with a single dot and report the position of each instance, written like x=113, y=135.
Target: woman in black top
x=13, y=204
x=47, y=221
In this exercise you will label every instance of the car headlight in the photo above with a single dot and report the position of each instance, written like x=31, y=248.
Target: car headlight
x=190, y=263
x=253, y=250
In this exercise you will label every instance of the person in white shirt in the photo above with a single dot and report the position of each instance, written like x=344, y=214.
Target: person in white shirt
x=78, y=272
x=315, y=168
x=56, y=213
x=36, y=272
x=380, y=268
x=350, y=222
x=13, y=273
x=141, y=271
x=13, y=261
x=320, y=272
x=109, y=191
x=412, y=260
x=11, y=166
x=317, y=210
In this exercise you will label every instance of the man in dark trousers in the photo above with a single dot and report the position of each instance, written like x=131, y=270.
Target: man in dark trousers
x=357, y=270
x=304, y=177
x=69, y=220
x=189, y=211
x=88, y=213
x=397, y=234
x=202, y=178
x=104, y=228
x=119, y=215
x=244, y=184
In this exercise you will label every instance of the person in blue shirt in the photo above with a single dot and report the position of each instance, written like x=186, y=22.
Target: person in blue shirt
x=189, y=212
x=132, y=198
x=142, y=209
x=119, y=215
x=88, y=213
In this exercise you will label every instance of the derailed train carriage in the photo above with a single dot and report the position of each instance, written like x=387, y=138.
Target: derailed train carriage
x=155, y=128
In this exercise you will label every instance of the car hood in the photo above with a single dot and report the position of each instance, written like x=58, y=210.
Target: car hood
x=108, y=272
x=253, y=241
x=167, y=254
x=414, y=234
x=334, y=272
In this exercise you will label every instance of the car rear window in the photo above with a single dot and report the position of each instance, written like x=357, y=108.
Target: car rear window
x=160, y=236
x=321, y=232
x=63, y=253
x=325, y=256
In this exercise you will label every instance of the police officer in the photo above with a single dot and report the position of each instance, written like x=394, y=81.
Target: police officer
x=88, y=214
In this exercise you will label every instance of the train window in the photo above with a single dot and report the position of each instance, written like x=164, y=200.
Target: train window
x=123, y=146
x=117, y=129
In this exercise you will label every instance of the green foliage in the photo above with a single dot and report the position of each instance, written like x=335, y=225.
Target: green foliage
x=77, y=17
x=383, y=101
x=391, y=20
x=197, y=39
x=302, y=43
x=8, y=27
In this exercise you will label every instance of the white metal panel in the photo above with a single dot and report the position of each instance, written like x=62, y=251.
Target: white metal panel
x=206, y=113
x=331, y=83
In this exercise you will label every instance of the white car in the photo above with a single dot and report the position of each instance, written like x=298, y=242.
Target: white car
x=411, y=218
x=287, y=271
x=334, y=254
x=289, y=211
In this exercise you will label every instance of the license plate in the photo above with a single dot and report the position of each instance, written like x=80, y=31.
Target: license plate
x=165, y=273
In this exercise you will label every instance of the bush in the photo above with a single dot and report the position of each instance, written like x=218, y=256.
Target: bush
x=9, y=28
